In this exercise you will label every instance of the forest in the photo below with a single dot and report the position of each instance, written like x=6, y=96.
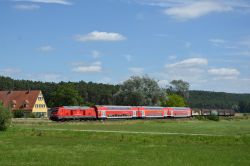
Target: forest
x=89, y=93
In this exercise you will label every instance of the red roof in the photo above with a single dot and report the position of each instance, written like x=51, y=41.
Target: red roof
x=24, y=100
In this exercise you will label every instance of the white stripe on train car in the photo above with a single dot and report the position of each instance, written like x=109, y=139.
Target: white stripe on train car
x=142, y=113
x=154, y=116
x=118, y=117
x=165, y=113
x=178, y=116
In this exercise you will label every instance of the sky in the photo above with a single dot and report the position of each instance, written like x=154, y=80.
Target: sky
x=203, y=42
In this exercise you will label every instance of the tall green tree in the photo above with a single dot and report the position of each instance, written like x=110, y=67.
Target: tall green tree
x=174, y=100
x=179, y=87
x=139, y=91
x=244, y=107
x=66, y=94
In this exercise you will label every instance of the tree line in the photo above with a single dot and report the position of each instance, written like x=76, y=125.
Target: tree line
x=134, y=91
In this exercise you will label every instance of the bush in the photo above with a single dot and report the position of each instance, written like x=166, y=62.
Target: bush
x=32, y=115
x=209, y=117
x=5, y=118
x=18, y=114
x=200, y=117
x=213, y=117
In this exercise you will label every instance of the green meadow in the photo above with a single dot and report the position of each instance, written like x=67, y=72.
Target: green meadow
x=128, y=142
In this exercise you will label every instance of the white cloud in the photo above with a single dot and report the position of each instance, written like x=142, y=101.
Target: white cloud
x=241, y=53
x=46, y=48
x=196, y=9
x=163, y=83
x=19, y=74
x=245, y=42
x=10, y=72
x=60, y=2
x=172, y=57
x=94, y=67
x=192, y=62
x=95, y=54
x=231, y=44
x=136, y=70
x=47, y=77
x=190, y=9
x=191, y=70
x=245, y=53
x=224, y=73
x=27, y=7
x=217, y=41
x=105, y=80
x=100, y=36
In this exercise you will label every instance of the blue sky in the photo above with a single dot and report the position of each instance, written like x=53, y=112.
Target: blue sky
x=206, y=43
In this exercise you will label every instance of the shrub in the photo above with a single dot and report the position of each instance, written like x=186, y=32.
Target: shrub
x=5, y=118
x=18, y=114
x=200, y=117
x=213, y=117
x=209, y=117
x=32, y=115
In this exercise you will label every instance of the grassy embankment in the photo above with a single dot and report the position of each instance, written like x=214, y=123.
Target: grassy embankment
x=41, y=143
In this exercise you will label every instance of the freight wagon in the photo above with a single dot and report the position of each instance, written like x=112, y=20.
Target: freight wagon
x=217, y=112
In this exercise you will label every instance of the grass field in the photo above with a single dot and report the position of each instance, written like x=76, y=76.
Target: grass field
x=136, y=142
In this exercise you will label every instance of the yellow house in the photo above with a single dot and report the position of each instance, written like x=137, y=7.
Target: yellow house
x=28, y=101
x=40, y=106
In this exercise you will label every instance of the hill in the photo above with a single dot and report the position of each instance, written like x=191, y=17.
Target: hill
x=207, y=99
x=98, y=93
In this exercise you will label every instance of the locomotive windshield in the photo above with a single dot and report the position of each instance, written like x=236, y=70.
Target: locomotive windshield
x=53, y=110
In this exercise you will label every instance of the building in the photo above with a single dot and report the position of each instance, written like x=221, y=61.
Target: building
x=28, y=101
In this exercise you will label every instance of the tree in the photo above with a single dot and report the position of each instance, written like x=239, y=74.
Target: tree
x=179, y=87
x=5, y=118
x=139, y=91
x=66, y=94
x=244, y=107
x=174, y=100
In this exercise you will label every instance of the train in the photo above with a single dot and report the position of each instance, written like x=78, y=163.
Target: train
x=216, y=112
x=116, y=112
x=103, y=112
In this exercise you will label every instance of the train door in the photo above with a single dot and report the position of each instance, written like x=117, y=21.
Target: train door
x=134, y=114
x=143, y=113
x=103, y=114
x=165, y=113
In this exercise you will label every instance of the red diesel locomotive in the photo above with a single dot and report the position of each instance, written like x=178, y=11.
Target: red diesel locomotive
x=117, y=112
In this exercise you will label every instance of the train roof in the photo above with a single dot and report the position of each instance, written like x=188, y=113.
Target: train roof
x=115, y=106
x=179, y=108
x=76, y=107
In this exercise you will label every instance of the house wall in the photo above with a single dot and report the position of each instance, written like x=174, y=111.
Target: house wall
x=40, y=107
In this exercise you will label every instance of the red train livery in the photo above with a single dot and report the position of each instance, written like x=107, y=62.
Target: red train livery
x=72, y=112
x=117, y=112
